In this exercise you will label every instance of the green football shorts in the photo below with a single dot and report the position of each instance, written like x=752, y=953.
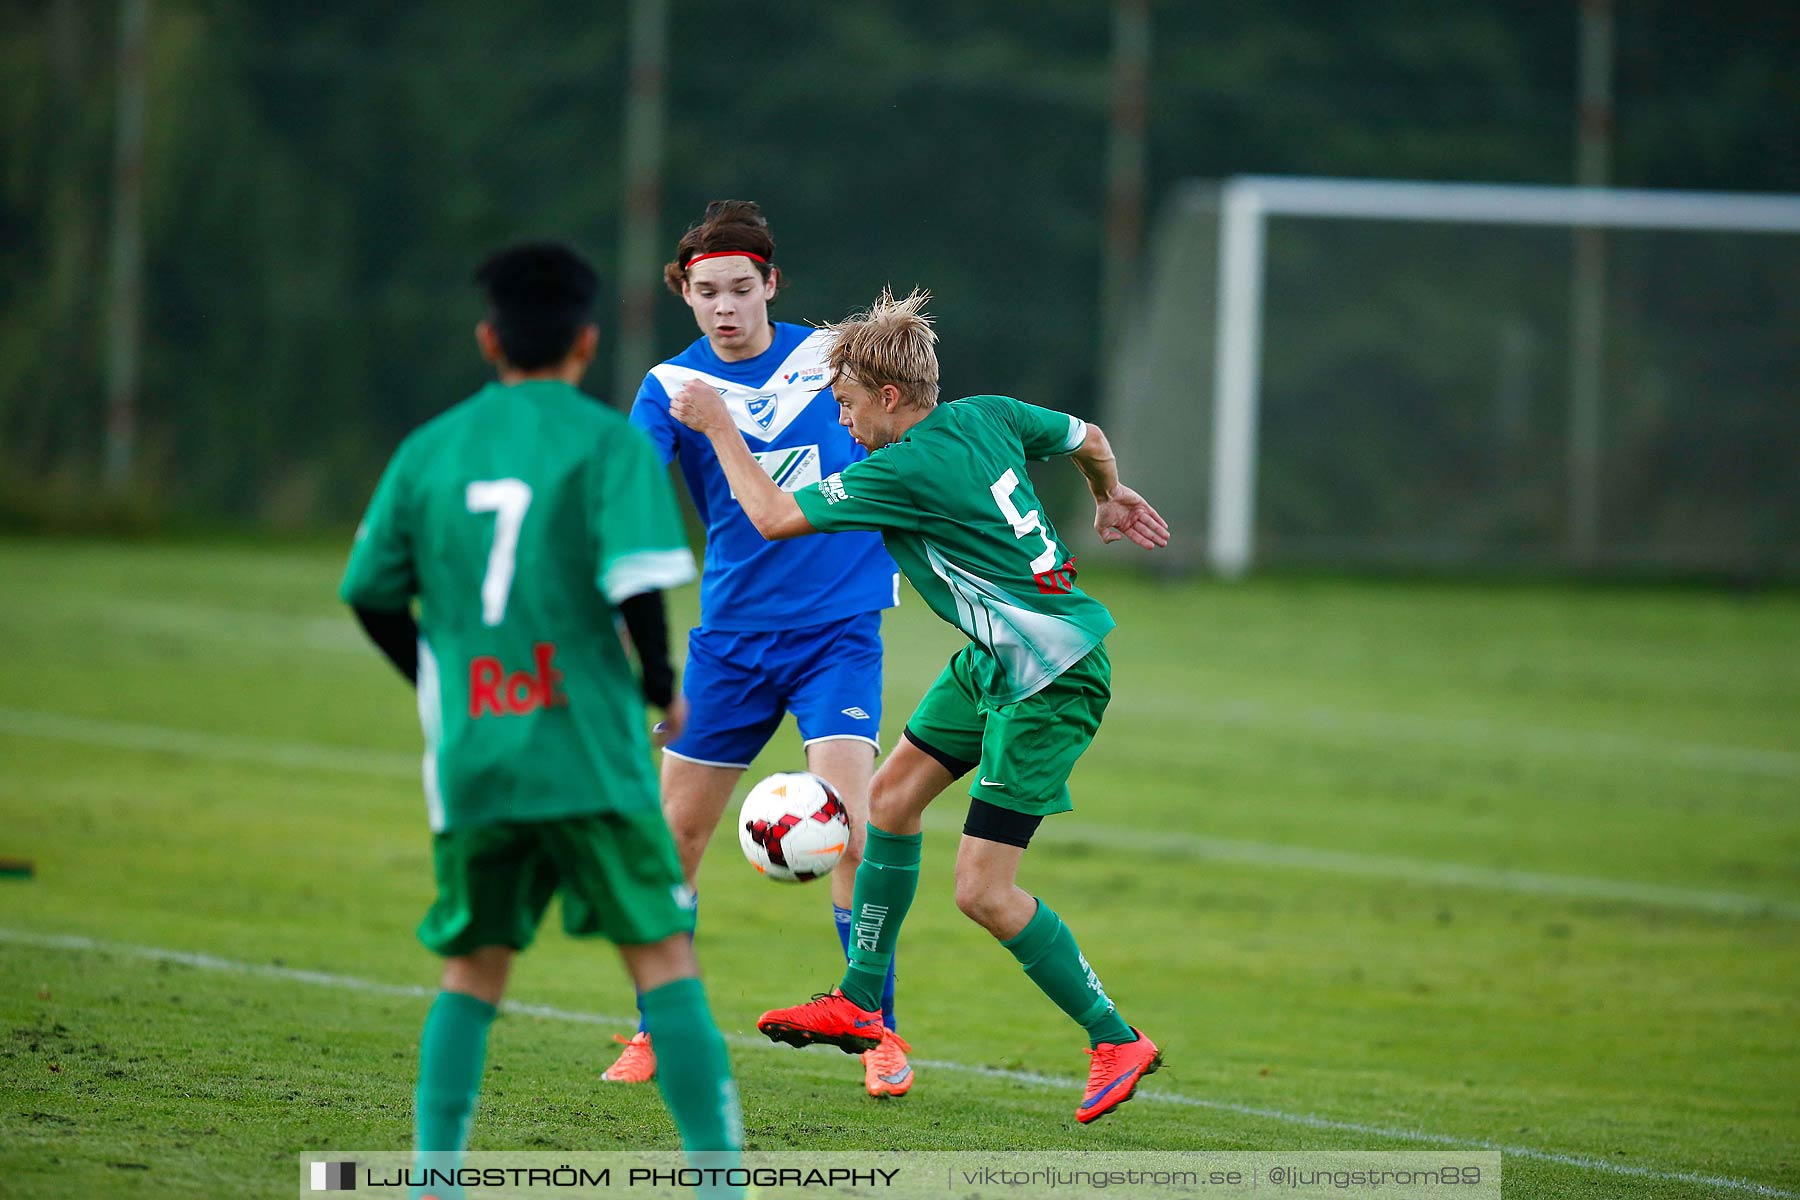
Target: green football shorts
x=617, y=873
x=1026, y=749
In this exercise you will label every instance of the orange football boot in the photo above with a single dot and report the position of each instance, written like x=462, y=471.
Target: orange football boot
x=1114, y=1073
x=885, y=1069
x=637, y=1064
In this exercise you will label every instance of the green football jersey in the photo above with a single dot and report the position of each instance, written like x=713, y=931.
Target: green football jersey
x=518, y=519
x=957, y=511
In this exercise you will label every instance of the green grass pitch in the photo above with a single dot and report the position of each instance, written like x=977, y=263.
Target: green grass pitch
x=1381, y=864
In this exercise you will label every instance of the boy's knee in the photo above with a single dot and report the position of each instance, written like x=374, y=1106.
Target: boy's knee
x=690, y=832
x=969, y=899
x=684, y=824
x=979, y=899
x=653, y=964
x=481, y=973
x=993, y=900
x=887, y=807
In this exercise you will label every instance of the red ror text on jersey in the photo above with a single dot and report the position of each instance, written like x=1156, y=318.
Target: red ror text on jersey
x=493, y=691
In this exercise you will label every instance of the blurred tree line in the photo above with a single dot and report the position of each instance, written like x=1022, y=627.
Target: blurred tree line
x=320, y=180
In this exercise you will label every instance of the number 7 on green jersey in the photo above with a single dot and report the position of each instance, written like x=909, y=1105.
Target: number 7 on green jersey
x=507, y=499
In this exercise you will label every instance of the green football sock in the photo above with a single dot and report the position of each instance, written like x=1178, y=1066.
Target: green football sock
x=451, y=1053
x=694, y=1073
x=1052, y=960
x=885, y=884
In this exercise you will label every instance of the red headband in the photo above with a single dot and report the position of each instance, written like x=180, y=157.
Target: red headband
x=726, y=254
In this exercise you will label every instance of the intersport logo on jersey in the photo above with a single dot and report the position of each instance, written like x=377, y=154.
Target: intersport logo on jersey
x=493, y=691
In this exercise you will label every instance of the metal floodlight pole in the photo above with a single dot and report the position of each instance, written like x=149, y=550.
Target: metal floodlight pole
x=1124, y=176
x=644, y=119
x=1587, y=285
x=124, y=325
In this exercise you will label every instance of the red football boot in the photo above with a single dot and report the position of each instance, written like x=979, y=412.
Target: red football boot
x=828, y=1019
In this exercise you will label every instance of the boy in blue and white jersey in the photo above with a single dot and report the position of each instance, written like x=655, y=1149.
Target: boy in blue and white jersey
x=784, y=626
x=791, y=427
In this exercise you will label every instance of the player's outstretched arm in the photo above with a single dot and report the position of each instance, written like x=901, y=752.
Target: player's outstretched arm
x=1119, y=512
x=775, y=513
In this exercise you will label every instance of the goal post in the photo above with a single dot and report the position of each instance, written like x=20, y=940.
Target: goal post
x=1208, y=458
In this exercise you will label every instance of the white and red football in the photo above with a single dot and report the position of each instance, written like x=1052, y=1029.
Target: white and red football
x=793, y=827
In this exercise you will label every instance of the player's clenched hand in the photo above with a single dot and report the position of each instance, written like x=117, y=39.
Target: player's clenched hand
x=699, y=407
x=674, y=720
x=1125, y=514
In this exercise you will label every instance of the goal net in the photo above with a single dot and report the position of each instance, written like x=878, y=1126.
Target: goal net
x=1415, y=375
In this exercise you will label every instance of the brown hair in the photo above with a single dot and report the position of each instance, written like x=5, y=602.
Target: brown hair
x=891, y=341
x=727, y=225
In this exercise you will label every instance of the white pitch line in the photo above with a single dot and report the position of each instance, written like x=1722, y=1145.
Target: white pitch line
x=209, y=962
x=161, y=739
x=221, y=623
x=1173, y=843
x=389, y=764
x=216, y=623
x=1313, y=1121
x=1491, y=735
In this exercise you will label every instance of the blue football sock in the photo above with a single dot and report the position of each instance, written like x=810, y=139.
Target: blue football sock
x=887, y=996
x=841, y=918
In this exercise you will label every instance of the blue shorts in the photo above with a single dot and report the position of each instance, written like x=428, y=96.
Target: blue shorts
x=738, y=685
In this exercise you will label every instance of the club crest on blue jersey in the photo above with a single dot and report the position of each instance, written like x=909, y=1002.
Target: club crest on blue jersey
x=762, y=409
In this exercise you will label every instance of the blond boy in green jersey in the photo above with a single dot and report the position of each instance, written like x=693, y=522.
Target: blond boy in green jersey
x=945, y=484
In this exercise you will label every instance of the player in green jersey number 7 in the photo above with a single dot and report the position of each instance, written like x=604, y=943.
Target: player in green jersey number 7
x=525, y=521
x=945, y=485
